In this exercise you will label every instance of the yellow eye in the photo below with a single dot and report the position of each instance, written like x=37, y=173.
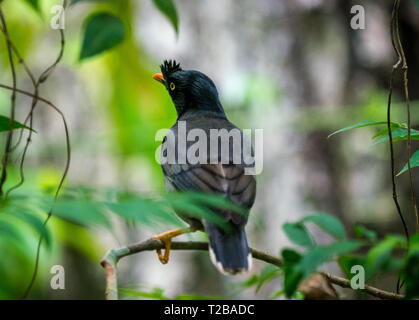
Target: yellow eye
x=172, y=86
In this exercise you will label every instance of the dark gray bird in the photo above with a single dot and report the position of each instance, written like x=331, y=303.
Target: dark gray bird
x=196, y=101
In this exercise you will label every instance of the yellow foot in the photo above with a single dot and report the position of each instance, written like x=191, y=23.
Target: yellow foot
x=166, y=238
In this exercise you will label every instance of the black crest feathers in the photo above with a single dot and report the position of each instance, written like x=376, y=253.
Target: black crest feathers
x=169, y=67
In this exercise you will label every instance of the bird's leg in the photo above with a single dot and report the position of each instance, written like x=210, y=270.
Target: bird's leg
x=166, y=238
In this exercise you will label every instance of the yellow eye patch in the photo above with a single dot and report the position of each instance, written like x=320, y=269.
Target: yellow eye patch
x=172, y=86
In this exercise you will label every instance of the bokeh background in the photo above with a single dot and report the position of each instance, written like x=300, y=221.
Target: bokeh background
x=295, y=69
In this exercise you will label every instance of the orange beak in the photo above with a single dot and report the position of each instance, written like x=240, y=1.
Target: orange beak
x=158, y=77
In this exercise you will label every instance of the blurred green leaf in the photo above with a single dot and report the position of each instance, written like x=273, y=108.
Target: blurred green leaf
x=298, y=268
x=299, y=295
x=380, y=255
x=410, y=272
x=83, y=213
x=103, y=31
x=414, y=162
x=364, y=124
x=298, y=234
x=267, y=273
x=34, y=4
x=328, y=223
x=346, y=262
x=181, y=202
x=277, y=294
x=292, y=274
x=146, y=211
x=35, y=223
x=9, y=231
x=168, y=8
x=5, y=124
x=321, y=254
x=362, y=232
x=155, y=294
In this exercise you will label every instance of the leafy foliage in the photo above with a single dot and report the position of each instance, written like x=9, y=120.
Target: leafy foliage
x=168, y=8
x=410, y=272
x=33, y=3
x=399, y=132
x=5, y=124
x=414, y=162
x=103, y=31
x=365, y=124
x=297, y=266
x=158, y=294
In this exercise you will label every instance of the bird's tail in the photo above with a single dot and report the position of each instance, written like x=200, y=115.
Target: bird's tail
x=229, y=251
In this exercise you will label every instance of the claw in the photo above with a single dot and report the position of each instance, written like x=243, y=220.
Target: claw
x=166, y=238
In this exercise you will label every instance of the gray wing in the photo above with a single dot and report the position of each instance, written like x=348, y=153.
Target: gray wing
x=227, y=180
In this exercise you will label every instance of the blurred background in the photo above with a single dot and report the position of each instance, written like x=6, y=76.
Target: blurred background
x=295, y=69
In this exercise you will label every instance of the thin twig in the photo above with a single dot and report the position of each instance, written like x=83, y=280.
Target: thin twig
x=402, y=58
x=67, y=166
x=43, y=77
x=110, y=261
x=6, y=155
x=394, y=22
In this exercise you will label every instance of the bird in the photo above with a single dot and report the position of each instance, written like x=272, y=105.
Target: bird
x=195, y=98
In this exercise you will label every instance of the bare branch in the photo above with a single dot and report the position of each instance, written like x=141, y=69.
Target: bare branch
x=110, y=261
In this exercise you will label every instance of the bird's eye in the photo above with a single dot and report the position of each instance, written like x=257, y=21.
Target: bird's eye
x=172, y=86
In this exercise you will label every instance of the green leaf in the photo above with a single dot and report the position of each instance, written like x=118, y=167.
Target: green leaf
x=362, y=232
x=292, y=277
x=168, y=8
x=299, y=295
x=364, y=124
x=346, y=262
x=34, y=4
x=298, y=234
x=328, y=223
x=410, y=272
x=9, y=231
x=292, y=274
x=196, y=297
x=290, y=257
x=146, y=211
x=298, y=268
x=155, y=294
x=414, y=162
x=399, y=134
x=83, y=213
x=277, y=294
x=379, y=256
x=267, y=273
x=5, y=124
x=37, y=224
x=321, y=254
x=393, y=125
x=103, y=31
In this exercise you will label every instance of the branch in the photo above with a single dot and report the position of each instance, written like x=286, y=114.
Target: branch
x=110, y=261
x=6, y=155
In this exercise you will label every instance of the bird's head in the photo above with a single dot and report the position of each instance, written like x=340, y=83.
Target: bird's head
x=189, y=89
